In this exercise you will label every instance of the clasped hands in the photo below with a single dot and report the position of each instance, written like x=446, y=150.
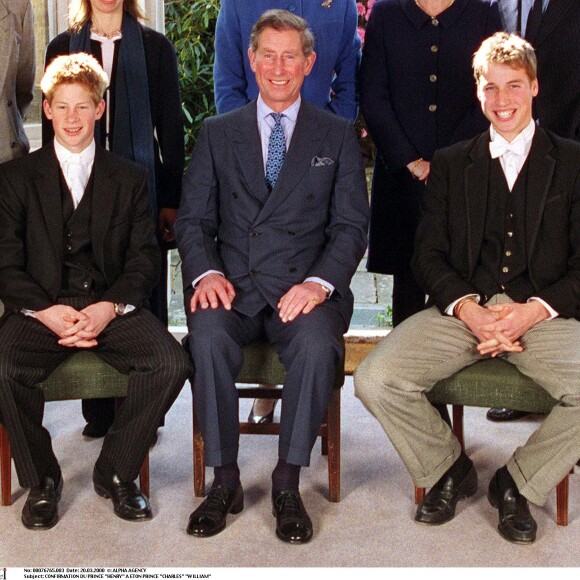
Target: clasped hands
x=214, y=289
x=499, y=327
x=77, y=328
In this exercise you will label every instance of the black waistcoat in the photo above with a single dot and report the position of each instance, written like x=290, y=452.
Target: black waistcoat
x=502, y=265
x=80, y=274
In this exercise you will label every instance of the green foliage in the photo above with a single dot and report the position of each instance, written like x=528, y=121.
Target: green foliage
x=191, y=28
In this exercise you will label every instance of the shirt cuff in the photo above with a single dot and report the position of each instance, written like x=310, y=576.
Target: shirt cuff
x=451, y=307
x=322, y=283
x=198, y=279
x=552, y=312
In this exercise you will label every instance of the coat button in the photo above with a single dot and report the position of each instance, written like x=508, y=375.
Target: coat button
x=9, y=103
x=433, y=78
x=254, y=271
x=432, y=108
x=434, y=22
x=85, y=285
x=291, y=233
x=510, y=234
x=310, y=197
x=508, y=253
x=505, y=269
x=434, y=48
x=292, y=270
x=13, y=144
x=253, y=234
x=235, y=195
x=69, y=248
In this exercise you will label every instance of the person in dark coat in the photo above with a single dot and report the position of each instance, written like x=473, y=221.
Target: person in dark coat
x=417, y=95
x=144, y=123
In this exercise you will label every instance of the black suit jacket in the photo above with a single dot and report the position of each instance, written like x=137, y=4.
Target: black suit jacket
x=557, y=45
x=313, y=223
x=31, y=230
x=450, y=234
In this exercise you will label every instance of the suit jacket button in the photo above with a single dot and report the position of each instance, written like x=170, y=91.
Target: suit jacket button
x=432, y=108
x=291, y=233
x=292, y=270
x=434, y=48
x=253, y=234
x=9, y=103
x=253, y=271
x=310, y=197
x=235, y=195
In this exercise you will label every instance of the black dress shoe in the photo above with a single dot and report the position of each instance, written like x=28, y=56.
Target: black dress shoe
x=500, y=414
x=95, y=430
x=128, y=501
x=40, y=512
x=262, y=419
x=516, y=523
x=293, y=525
x=209, y=518
x=458, y=482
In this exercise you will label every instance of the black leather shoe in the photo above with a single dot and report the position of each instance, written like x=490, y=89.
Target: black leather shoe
x=128, y=501
x=262, y=419
x=40, y=512
x=516, y=523
x=209, y=518
x=293, y=525
x=501, y=414
x=458, y=482
x=95, y=430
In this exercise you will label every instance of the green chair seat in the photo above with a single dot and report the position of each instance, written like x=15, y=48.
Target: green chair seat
x=492, y=383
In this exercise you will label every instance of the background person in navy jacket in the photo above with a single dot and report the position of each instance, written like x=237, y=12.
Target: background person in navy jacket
x=417, y=95
x=337, y=45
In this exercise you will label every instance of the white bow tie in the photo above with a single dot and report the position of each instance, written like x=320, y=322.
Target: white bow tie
x=497, y=149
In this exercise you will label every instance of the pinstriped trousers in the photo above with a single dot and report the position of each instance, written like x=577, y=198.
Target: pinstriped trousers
x=136, y=344
x=392, y=382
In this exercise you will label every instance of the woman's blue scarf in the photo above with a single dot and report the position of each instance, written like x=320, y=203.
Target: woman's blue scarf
x=133, y=138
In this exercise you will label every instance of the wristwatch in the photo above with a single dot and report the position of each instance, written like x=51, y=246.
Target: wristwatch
x=120, y=308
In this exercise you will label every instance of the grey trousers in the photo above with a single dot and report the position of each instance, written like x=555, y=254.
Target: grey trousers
x=392, y=382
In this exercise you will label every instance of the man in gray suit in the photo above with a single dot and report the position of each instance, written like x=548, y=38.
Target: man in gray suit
x=498, y=252
x=271, y=228
x=16, y=75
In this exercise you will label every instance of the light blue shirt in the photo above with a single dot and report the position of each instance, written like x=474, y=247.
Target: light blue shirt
x=509, y=13
x=266, y=124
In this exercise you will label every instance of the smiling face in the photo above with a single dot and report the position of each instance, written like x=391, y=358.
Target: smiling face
x=280, y=67
x=506, y=96
x=73, y=114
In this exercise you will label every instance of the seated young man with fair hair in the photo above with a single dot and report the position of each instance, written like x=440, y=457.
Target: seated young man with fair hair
x=78, y=259
x=498, y=252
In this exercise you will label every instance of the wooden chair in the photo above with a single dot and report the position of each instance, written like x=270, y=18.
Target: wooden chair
x=83, y=376
x=262, y=366
x=495, y=383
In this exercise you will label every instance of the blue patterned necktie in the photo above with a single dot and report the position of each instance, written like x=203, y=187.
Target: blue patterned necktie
x=276, y=152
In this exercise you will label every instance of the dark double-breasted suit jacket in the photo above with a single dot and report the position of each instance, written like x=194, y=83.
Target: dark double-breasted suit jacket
x=450, y=235
x=557, y=45
x=313, y=223
x=31, y=230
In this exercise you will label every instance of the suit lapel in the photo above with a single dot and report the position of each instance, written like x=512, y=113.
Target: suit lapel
x=476, y=178
x=105, y=189
x=248, y=152
x=541, y=165
x=554, y=14
x=306, y=139
x=47, y=184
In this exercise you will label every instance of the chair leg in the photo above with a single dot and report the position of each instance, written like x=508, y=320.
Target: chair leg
x=419, y=495
x=458, y=425
x=5, y=467
x=198, y=459
x=333, y=416
x=562, y=502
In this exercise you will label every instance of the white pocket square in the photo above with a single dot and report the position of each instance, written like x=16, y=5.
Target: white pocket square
x=321, y=161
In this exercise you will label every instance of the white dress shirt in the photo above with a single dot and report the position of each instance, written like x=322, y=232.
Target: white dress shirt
x=76, y=168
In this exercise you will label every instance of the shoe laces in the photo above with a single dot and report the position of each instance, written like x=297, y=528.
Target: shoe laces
x=288, y=500
x=215, y=500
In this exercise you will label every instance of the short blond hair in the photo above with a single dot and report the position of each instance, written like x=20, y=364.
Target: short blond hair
x=505, y=48
x=78, y=67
